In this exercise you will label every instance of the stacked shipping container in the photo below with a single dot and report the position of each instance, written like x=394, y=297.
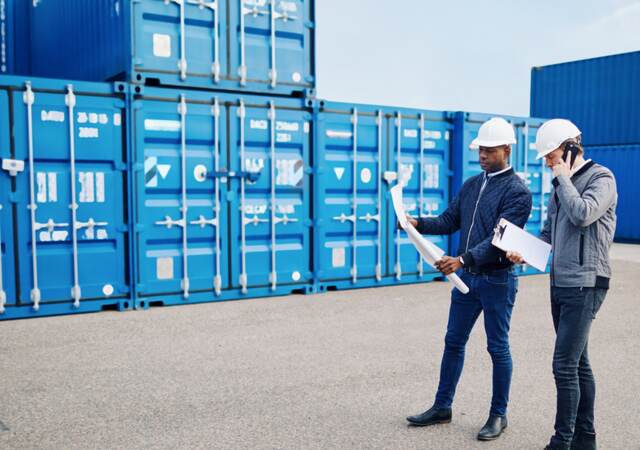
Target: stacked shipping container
x=210, y=172
x=602, y=97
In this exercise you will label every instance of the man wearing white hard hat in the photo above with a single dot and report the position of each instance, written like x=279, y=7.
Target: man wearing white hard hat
x=482, y=201
x=580, y=226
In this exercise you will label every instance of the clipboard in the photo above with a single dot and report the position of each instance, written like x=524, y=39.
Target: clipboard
x=510, y=237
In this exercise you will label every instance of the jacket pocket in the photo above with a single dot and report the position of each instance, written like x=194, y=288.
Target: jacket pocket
x=581, y=256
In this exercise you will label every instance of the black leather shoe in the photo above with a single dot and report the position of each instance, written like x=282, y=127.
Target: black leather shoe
x=493, y=428
x=557, y=447
x=431, y=416
x=584, y=441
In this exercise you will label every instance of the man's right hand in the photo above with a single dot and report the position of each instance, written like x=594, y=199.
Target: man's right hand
x=515, y=257
x=411, y=220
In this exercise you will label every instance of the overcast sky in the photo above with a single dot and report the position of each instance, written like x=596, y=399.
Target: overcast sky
x=460, y=55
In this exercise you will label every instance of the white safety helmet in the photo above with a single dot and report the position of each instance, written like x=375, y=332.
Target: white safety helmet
x=552, y=135
x=494, y=133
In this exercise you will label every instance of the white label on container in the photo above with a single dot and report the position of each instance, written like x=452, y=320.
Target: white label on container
x=107, y=290
x=45, y=236
x=52, y=116
x=255, y=2
x=339, y=134
x=296, y=77
x=432, y=176
x=93, y=118
x=338, y=257
x=253, y=165
x=283, y=137
x=365, y=175
x=89, y=233
x=532, y=146
x=339, y=171
x=86, y=187
x=102, y=234
x=410, y=133
x=432, y=134
x=287, y=126
x=41, y=181
x=429, y=144
x=117, y=119
x=161, y=45
x=100, y=187
x=161, y=125
x=88, y=132
x=83, y=117
x=164, y=268
x=306, y=127
x=53, y=186
x=256, y=124
x=446, y=135
x=103, y=119
x=288, y=6
x=59, y=236
x=290, y=172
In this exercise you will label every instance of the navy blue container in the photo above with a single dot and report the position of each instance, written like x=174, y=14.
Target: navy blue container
x=359, y=151
x=535, y=174
x=63, y=196
x=600, y=95
x=624, y=162
x=221, y=188
x=240, y=45
x=15, y=37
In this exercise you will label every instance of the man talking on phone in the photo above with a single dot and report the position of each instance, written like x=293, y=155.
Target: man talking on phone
x=580, y=226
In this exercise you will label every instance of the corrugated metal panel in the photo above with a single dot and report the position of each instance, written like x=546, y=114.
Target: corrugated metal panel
x=15, y=37
x=523, y=159
x=601, y=96
x=624, y=162
x=248, y=45
x=356, y=240
x=68, y=204
x=222, y=195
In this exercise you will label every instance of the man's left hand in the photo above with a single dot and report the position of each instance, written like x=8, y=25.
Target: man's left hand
x=447, y=265
x=562, y=167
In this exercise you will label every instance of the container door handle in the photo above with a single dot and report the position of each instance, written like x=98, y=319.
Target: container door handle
x=399, y=171
x=273, y=278
x=29, y=100
x=217, y=280
x=214, y=7
x=273, y=73
x=3, y=295
x=379, y=255
x=70, y=100
x=243, y=231
x=354, y=198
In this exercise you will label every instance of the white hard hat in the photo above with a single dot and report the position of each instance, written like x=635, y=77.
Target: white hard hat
x=494, y=133
x=552, y=134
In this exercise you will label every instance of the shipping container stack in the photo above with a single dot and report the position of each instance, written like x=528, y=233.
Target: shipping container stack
x=602, y=97
x=191, y=162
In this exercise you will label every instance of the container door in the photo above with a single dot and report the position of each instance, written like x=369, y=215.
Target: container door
x=180, y=41
x=349, y=161
x=10, y=168
x=420, y=150
x=71, y=206
x=181, y=217
x=270, y=207
x=270, y=43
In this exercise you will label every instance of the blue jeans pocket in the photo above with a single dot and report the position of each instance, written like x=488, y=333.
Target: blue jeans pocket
x=498, y=279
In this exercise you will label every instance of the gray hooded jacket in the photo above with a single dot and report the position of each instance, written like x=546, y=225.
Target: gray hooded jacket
x=580, y=227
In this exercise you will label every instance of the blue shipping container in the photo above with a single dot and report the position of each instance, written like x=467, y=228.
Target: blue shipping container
x=523, y=160
x=240, y=45
x=624, y=162
x=600, y=95
x=221, y=188
x=64, y=204
x=359, y=150
x=15, y=37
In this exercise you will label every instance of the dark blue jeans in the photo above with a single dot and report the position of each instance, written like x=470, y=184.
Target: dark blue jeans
x=573, y=310
x=494, y=295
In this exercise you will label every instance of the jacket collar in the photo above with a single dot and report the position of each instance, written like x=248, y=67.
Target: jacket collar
x=586, y=166
x=499, y=174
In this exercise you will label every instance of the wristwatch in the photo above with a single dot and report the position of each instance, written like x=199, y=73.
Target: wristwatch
x=461, y=260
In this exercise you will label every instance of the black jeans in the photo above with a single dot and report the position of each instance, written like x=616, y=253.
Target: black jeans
x=573, y=310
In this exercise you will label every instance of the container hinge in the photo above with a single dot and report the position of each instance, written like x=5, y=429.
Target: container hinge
x=13, y=166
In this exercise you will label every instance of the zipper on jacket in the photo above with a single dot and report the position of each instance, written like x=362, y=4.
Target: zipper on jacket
x=553, y=244
x=473, y=219
x=582, y=248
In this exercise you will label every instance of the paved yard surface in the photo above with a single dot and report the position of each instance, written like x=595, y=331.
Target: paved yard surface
x=333, y=371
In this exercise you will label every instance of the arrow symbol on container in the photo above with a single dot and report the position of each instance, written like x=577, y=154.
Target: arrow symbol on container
x=163, y=170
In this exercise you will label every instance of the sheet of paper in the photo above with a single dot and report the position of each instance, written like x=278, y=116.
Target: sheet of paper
x=427, y=249
x=510, y=237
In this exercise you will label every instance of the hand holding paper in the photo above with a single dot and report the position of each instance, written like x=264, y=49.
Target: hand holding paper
x=513, y=239
x=429, y=251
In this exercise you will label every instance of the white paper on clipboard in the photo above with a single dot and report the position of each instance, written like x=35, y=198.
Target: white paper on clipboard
x=429, y=251
x=510, y=237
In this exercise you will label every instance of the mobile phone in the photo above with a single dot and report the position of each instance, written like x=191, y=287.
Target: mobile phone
x=574, y=149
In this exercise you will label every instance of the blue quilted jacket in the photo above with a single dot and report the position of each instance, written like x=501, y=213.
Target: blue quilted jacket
x=482, y=201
